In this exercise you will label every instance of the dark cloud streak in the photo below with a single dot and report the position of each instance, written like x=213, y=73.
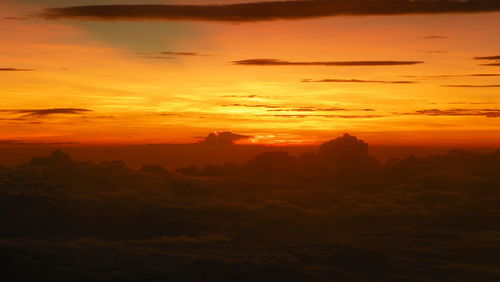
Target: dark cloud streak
x=360, y=81
x=37, y=113
x=272, y=10
x=276, y=62
x=15, y=69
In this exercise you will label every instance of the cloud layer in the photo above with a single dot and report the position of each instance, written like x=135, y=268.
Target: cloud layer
x=360, y=81
x=272, y=10
x=34, y=113
x=15, y=69
x=277, y=62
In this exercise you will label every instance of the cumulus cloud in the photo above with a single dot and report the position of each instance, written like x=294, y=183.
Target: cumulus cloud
x=333, y=80
x=223, y=138
x=272, y=10
x=277, y=62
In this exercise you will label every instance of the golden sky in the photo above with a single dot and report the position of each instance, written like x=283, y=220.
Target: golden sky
x=404, y=78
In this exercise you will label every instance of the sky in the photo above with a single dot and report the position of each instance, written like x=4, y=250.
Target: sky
x=393, y=72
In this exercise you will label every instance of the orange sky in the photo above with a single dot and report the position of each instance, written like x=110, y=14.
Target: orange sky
x=113, y=70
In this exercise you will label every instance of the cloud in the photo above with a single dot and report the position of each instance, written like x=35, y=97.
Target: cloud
x=273, y=108
x=276, y=62
x=15, y=69
x=491, y=113
x=223, y=138
x=183, y=54
x=472, y=86
x=170, y=54
x=252, y=106
x=452, y=75
x=157, y=57
x=433, y=52
x=265, y=11
x=324, y=116
x=28, y=143
x=435, y=37
x=47, y=112
x=313, y=109
x=360, y=81
x=244, y=96
x=14, y=18
x=488, y=58
x=491, y=65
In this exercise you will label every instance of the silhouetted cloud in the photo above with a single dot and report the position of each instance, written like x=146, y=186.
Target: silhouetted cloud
x=472, y=86
x=452, y=75
x=360, y=81
x=157, y=57
x=15, y=18
x=15, y=69
x=274, y=108
x=491, y=113
x=183, y=54
x=324, y=116
x=243, y=96
x=223, y=138
x=491, y=65
x=488, y=58
x=276, y=62
x=171, y=54
x=314, y=109
x=29, y=143
x=272, y=10
x=47, y=112
x=252, y=106
x=435, y=36
x=433, y=52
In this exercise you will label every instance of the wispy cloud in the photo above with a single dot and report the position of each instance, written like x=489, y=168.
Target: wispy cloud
x=488, y=58
x=15, y=69
x=37, y=113
x=434, y=37
x=472, y=86
x=274, y=108
x=360, y=81
x=31, y=143
x=324, y=116
x=272, y=10
x=276, y=62
x=452, y=75
x=491, y=113
x=491, y=65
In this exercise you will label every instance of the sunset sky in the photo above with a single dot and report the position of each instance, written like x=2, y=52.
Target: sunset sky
x=419, y=74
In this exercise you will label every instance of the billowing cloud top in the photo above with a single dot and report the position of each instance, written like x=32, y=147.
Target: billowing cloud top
x=272, y=10
x=224, y=138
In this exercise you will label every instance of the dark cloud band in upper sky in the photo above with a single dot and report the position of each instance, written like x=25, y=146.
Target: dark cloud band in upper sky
x=276, y=62
x=272, y=10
